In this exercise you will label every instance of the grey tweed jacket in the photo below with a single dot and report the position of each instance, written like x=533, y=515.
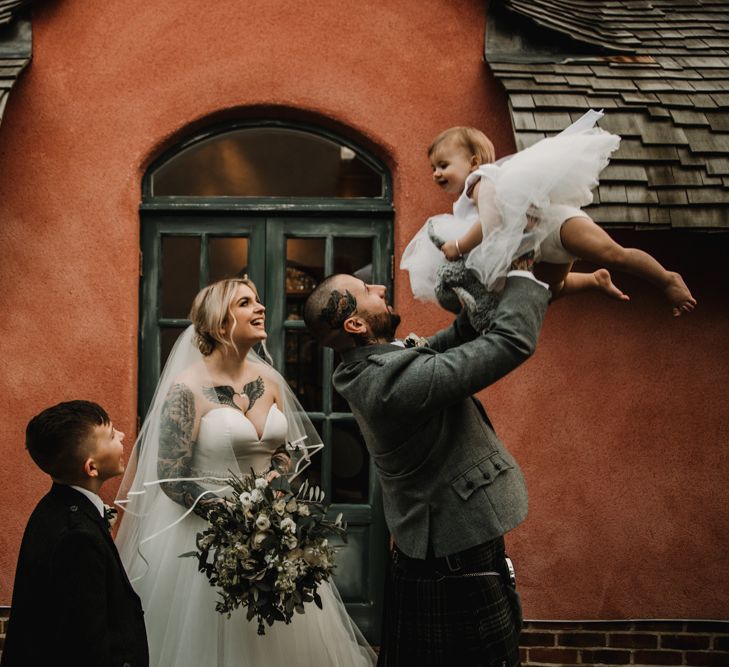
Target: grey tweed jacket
x=448, y=482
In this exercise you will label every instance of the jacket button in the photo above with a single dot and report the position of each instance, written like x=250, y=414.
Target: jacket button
x=497, y=465
x=74, y=508
x=127, y=664
x=469, y=484
x=485, y=475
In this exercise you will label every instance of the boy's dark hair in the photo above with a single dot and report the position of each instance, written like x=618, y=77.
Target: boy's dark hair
x=55, y=438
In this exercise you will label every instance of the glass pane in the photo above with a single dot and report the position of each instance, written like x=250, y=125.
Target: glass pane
x=180, y=278
x=352, y=568
x=353, y=255
x=350, y=464
x=267, y=162
x=312, y=472
x=167, y=338
x=304, y=271
x=338, y=403
x=227, y=256
x=303, y=368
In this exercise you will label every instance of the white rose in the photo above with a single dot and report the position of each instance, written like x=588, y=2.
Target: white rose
x=279, y=507
x=312, y=556
x=206, y=542
x=290, y=542
x=288, y=525
x=256, y=496
x=258, y=540
x=262, y=522
x=304, y=510
x=291, y=506
x=245, y=499
x=261, y=483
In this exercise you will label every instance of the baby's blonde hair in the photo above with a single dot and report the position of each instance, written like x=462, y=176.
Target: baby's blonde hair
x=473, y=141
x=210, y=310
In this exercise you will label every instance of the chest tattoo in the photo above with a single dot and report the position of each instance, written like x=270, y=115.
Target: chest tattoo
x=225, y=394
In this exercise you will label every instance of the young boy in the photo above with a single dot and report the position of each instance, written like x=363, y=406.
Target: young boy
x=72, y=601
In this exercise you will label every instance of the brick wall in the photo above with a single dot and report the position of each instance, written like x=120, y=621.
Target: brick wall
x=4, y=615
x=647, y=643
x=547, y=643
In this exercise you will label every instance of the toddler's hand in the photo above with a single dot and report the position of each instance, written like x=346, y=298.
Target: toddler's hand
x=450, y=250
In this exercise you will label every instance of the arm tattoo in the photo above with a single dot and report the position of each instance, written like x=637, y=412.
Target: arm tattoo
x=339, y=307
x=176, y=447
x=224, y=394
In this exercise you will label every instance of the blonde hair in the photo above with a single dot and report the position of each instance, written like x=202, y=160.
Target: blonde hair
x=210, y=311
x=473, y=141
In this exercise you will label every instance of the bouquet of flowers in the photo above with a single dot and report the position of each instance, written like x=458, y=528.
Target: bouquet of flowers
x=266, y=548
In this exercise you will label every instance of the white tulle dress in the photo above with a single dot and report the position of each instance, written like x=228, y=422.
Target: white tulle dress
x=523, y=200
x=183, y=628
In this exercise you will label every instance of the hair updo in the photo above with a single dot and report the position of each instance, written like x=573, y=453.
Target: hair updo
x=210, y=311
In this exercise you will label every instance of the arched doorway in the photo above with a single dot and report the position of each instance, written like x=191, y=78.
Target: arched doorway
x=288, y=204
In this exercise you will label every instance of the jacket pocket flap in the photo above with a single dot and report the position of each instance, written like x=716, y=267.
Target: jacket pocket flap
x=481, y=474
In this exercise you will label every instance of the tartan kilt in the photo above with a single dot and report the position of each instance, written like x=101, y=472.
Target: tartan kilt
x=432, y=620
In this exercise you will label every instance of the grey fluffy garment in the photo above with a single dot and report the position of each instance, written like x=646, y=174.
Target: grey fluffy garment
x=455, y=284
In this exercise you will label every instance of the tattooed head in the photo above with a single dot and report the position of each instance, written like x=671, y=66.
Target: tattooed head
x=327, y=309
x=338, y=308
x=338, y=298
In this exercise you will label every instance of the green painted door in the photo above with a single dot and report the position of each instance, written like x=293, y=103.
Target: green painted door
x=286, y=256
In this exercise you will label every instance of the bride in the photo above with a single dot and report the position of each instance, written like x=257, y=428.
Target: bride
x=218, y=407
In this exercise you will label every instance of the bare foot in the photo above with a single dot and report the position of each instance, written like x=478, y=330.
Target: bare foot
x=679, y=295
x=604, y=283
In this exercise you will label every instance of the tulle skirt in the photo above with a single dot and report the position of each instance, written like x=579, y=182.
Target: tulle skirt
x=422, y=257
x=184, y=630
x=522, y=199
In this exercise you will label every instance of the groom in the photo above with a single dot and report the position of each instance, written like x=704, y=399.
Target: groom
x=450, y=488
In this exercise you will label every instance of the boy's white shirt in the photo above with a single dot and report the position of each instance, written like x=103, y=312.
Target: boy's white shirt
x=98, y=502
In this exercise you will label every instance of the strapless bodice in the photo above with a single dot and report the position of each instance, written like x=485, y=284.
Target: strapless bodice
x=227, y=439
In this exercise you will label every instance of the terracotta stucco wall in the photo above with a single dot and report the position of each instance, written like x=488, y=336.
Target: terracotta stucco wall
x=618, y=420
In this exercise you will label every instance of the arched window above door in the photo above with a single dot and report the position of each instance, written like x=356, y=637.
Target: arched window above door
x=268, y=161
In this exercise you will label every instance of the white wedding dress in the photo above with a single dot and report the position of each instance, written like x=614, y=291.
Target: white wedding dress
x=183, y=628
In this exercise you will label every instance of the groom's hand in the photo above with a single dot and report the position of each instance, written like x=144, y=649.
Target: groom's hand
x=524, y=262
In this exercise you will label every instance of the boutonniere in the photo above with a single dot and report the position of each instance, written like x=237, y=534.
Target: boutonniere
x=110, y=515
x=413, y=340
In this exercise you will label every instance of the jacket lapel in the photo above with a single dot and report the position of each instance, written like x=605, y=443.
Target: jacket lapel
x=71, y=497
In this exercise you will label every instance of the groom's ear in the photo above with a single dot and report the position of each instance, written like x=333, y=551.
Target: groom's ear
x=356, y=326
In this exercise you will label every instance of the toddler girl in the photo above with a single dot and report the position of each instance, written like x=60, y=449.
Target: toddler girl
x=531, y=202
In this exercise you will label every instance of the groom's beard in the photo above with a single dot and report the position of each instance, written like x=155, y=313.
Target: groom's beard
x=382, y=327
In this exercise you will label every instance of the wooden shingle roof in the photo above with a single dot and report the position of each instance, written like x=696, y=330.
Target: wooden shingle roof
x=15, y=46
x=659, y=69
